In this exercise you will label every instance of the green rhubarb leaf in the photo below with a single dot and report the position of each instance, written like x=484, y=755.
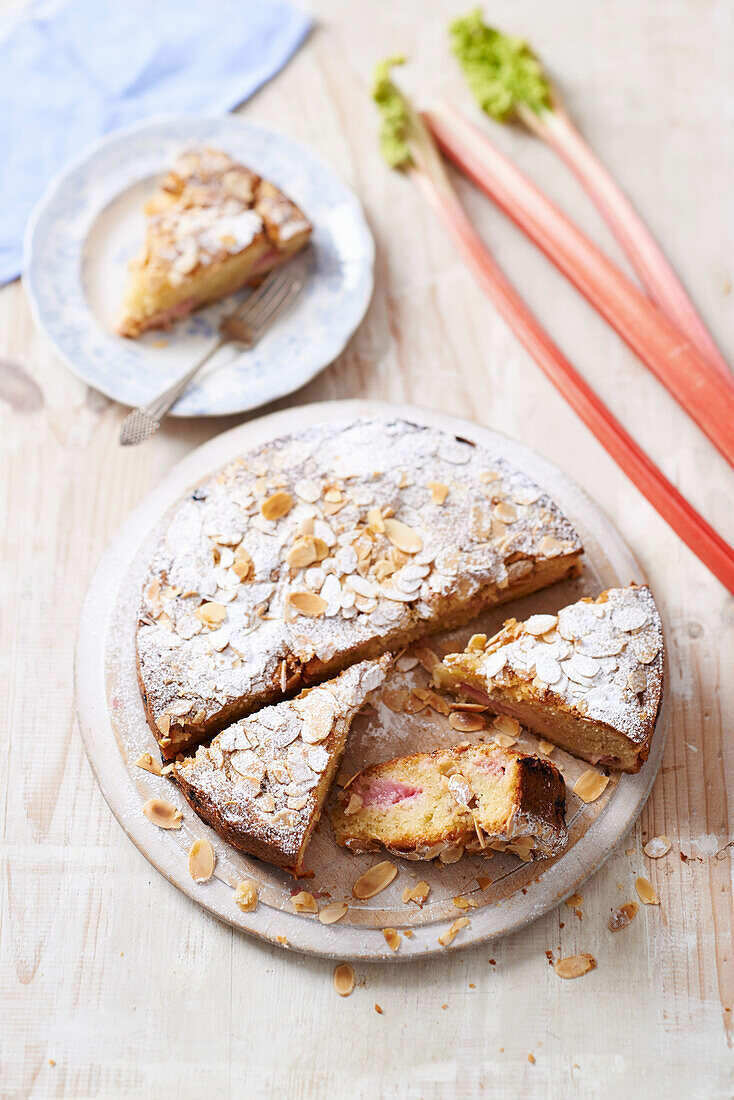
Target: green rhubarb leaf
x=395, y=114
x=502, y=71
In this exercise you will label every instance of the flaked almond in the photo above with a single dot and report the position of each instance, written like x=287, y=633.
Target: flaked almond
x=162, y=813
x=307, y=603
x=245, y=895
x=465, y=903
x=211, y=614
x=456, y=927
x=375, y=880
x=330, y=914
x=277, y=506
x=164, y=724
x=646, y=892
x=546, y=747
x=417, y=894
x=302, y=553
x=477, y=642
x=573, y=966
x=426, y=656
x=403, y=537
x=243, y=566
x=413, y=703
x=435, y=702
x=590, y=785
x=504, y=740
x=505, y=513
x=354, y=805
x=201, y=860
x=304, y=902
x=392, y=938
x=505, y=724
x=657, y=847
x=147, y=763
x=394, y=699
x=484, y=882
x=466, y=722
x=439, y=491
x=375, y=521
x=344, y=980
x=622, y=916
x=574, y=901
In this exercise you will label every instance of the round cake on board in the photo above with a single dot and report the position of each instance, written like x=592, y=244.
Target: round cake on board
x=498, y=894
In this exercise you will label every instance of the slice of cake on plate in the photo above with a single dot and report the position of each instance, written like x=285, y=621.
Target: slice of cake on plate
x=326, y=547
x=213, y=227
x=478, y=798
x=589, y=679
x=261, y=784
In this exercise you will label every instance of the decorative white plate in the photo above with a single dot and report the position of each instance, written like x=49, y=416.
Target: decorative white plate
x=112, y=722
x=90, y=223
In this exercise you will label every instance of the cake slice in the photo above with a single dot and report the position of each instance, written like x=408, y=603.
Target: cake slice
x=589, y=679
x=326, y=547
x=213, y=227
x=469, y=798
x=261, y=784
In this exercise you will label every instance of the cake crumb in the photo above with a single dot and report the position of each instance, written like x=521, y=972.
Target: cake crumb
x=378, y=1010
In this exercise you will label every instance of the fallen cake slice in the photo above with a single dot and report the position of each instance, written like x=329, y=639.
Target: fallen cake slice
x=261, y=784
x=589, y=679
x=470, y=798
x=213, y=227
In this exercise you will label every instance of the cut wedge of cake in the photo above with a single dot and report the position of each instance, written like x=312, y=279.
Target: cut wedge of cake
x=589, y=679
x=213, y=227
x=327, y=547
x=261, y=784
x=478, y=798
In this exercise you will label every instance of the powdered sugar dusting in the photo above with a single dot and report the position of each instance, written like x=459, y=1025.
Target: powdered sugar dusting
x=362, y=533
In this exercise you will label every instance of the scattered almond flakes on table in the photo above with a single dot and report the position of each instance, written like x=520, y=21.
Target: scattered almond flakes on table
x=418, y=894
x=574, y=901
x=465, y=903
x=162, y=813
x=573, y=966
x=201, y=860
x=392, y=938
x=344, y=980
x=484, y=882
x=330, y=914
x=148, y=764
x=590, y=786
x=374, y=880
x=657, y=847
x=621, y=917
x=456, y=927
x=546, y=747
x=646, y=892
x=304, y=902
x=245, y=895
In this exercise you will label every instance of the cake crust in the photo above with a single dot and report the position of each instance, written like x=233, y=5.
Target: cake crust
x=328, y=547
x=589, y=679
x=261, y=784
x=474, y=798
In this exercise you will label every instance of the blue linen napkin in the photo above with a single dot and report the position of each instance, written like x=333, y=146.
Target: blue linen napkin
x=73, y=71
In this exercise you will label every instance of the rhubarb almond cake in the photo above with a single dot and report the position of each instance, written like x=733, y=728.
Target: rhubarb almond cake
x=261, y=783
x=472, y=798
x=324, y=548
x=589, y=679
x=213, y=227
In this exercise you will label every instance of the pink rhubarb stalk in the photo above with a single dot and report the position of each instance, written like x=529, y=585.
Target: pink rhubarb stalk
x=687, y=375
x=408, y=144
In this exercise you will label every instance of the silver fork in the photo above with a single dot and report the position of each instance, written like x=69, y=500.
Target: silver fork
x=245, y=326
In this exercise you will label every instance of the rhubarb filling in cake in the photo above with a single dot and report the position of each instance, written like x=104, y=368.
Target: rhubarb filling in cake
x=476, y=799
x=213, y=227
x=327, y=547
x=261, y=784
x=588, y=679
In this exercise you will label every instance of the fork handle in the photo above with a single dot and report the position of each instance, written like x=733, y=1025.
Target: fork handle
x=160, y=405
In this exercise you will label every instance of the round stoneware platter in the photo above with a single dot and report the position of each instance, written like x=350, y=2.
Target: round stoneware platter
x=112, y=722
x=90, y=223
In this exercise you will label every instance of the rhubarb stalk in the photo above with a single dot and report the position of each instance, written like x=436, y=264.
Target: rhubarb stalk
x=408, y=145
x=510, y=84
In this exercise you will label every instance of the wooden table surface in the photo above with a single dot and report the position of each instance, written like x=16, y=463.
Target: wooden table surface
x=114, y=984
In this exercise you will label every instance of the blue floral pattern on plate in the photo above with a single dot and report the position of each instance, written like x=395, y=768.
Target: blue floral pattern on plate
x=90, y=223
